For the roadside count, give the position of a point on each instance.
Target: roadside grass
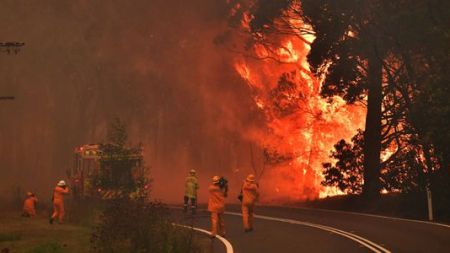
(10, 237)
(51, 247)
(36, 235)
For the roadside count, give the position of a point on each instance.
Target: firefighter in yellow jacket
(250, 194)
(216, 205)
(190, 192)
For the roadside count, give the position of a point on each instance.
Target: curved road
(286, 230)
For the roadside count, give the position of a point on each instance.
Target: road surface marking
(366, 243)
(372, 215)
(227, 244)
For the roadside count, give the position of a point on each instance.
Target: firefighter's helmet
(62, 183)
(250, 178)
(215, 179)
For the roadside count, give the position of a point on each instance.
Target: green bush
(139, 226)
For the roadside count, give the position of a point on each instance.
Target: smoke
(151, 63)
(190, 102)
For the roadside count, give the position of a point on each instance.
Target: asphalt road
(286, 230)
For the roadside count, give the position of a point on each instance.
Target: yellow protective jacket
(250, 193)
(191, 187)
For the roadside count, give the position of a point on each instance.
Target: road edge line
(228, 246)
(363, 241)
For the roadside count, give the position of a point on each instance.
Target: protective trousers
(193, 204)
(58, 210)
(247, 216)
(29, 212)
(217, 224)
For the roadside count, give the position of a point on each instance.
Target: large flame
(301, 126)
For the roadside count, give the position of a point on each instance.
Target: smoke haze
(151, 63)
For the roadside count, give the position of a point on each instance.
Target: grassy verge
(123, 227)
(35, 235)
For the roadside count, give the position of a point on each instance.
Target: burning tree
(300, 126)
(366, 52)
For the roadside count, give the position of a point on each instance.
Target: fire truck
(87, 166)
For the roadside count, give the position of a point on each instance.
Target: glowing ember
(301, 126)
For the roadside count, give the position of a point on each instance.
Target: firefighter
(190, 192)
(216, 205)
(29, 205)
(60, 190)
(250, 194)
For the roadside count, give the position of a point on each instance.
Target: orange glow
(330, 191)
(287, 53)
(243, 71)
(301, 126)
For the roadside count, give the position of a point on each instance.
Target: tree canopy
(391, 56)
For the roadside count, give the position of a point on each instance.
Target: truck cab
(90, 161)
(86, 164)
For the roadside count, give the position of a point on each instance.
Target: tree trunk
(372, 134)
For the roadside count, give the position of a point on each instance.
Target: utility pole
(430, 204)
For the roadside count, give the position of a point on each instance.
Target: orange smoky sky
(151, 63)
(155, 65)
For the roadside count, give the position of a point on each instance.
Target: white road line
(371, 215)
(227, 244)
(365, 242)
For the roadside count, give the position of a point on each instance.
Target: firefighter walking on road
(60, 190)
(216, 205)
(250, 194)
(29, 205)
(190, 192)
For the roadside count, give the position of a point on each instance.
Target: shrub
(139, 226)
